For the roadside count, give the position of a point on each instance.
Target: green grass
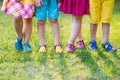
(81, 65)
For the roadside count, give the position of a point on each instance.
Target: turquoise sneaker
(18, 44)
(26, 47)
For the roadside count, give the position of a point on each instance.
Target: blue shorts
(49, 9)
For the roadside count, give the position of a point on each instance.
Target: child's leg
(18, 25)
(106, 16)
(106, 45)
(56, 31)
(79, 37)
(93, 31)
(105, 31)
(95, 17)
(76, 28)
(41, 31)
(27, 29)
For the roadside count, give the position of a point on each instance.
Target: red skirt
(75, 7)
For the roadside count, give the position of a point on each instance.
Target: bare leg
(18, 25)
(79, 37)
(56, 31)
(105, 31)
(93, 31)
(27, 29)
(76, 28)
(41, 31)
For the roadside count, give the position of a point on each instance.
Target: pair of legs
(22, 32)
(101, 10)
(75, 33)
(56, 33)
(105, 31)
(76, 29)
(55, 29)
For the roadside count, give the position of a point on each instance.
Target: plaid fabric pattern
(18, 9)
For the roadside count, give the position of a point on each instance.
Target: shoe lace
(43, 47)
(27, 44)
(108, 45)
(93, 44)
(58, 48)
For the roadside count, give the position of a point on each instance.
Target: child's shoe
(93, 45)
(58, 49)
(108, 47)
(43, 49)
(70, 48)
(80, 44)
(18, 44)
(26, 47)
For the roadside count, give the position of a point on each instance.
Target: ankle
(105, 41)
(42, 44)
(92, 40)
(18, 38)
(57, 44)
(80, 39)
(26, 43)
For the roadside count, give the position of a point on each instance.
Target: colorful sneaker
(43, 49)
(18, 44)
(93, 45)
(26, 47)
(70, 48)
(108, 47)
(80, 44)
(58, 49)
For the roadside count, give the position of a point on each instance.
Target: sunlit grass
(81, 65)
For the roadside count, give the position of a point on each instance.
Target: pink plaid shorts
(18, 9)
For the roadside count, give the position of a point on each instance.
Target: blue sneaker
(18, 44)
(93, 45)
(26, 47)
(108, 47)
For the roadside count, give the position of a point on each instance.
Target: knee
(41, 22)
(53, 21)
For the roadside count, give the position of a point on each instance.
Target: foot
(18, 44)
(26, 47)
(58, 49)
(80, 44)
(70, 48)
(108, 47)
(43, 49)
(93, 45)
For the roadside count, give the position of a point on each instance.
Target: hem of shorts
(100, 22)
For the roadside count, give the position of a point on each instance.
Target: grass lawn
(81, 65)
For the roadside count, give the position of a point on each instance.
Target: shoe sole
(111, 50)
(70, 51)
(27, 51)
(42, 52)
(18, 49)
(93, 49)
(59, 52)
